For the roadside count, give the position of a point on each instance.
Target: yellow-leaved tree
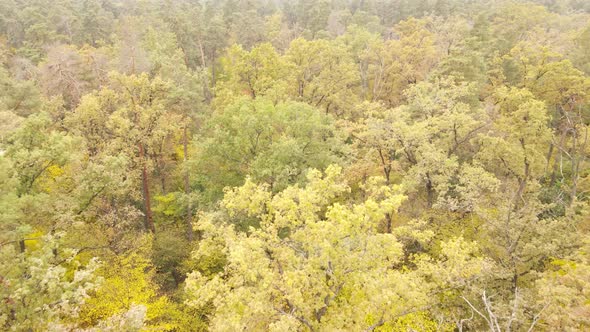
(316, 263)
(128, 285)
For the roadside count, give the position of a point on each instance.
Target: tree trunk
(577, 159)
(213, 70)
(149, 221)
(189, 212)
(386, 167)
(203, 64)
(560, 147)
(364, 79)
(388, 223)
(429, 193)
(206, 89)
(549, 155)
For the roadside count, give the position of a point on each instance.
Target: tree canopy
(305, 165)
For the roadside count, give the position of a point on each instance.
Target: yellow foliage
(33, 243)
(49, 177)
(127, 282)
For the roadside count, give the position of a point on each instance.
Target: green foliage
(316, 264)
(294, 165)
(272, 143)
(563, 290)
(34, 149)
(18, 97)
(43, 288)
(256, 73)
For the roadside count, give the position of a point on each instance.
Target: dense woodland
(309, 165)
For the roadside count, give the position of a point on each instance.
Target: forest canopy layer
(306, 165)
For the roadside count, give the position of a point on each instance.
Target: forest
(294, 165)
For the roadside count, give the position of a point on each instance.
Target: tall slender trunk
(202, 52)
(429, 192)
(549, 155)
(522, 182)
(578, 157)
(388, 223)
(364, 79)
(189, 208)
(213, 69)
(206, 87)
(149, 220)
(386, 167)
(560, 147)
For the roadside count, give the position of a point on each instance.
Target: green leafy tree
(38, 292)
(323, 75)
(275, 144)
(260, 72)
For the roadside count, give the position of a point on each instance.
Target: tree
(323, 75)
(272, 143)
(127, 283)
(522, 234)
(258, 73)
(294, 165)
(132, 121)
(432, 141)
(20, 97)
(65, 73)
(562, 291)
(315, 264)
(132, 58)
(403, 61)
(51, 293)
(35, 151)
